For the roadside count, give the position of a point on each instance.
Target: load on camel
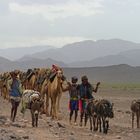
(31, 99)
(54, 90)
(42, 75)
(29, 78)
(34, 78)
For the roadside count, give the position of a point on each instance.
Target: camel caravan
(38, 87)
(40, 90)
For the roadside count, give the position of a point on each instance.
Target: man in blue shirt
(85, 92)
(15, 92)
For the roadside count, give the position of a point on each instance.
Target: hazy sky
(57, 22)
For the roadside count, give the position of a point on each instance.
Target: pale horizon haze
(25, 23)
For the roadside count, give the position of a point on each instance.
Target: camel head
(59, 73)
(61, 76)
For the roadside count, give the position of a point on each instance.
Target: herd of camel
(37, 79)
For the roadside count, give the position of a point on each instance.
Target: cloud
(60, 10)
(129, 3)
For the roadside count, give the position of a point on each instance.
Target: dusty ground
(120, 126)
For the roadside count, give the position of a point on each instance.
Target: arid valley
(120, 125)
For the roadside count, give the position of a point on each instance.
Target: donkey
(91, 114)
(31, 99)
(135, 108)
(35, 109)
(104, 111)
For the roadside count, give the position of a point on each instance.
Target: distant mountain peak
(80, 42)
(18, 52)
(2, 59)
(115, 40)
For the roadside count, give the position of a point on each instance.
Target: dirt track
(120, 126)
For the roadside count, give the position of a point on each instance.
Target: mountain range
(18, 52)
(87, 50)
(80, 54)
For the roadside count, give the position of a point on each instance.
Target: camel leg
(51, 111)
(55, 109)
(54, 116)
(4, 93)
(6, 96)
(58, 102)
(52, 108)
(47, 105)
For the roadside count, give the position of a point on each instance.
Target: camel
(135, 108)
(41, 82)
(4, 85)
(54, 92)
(5, 92)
